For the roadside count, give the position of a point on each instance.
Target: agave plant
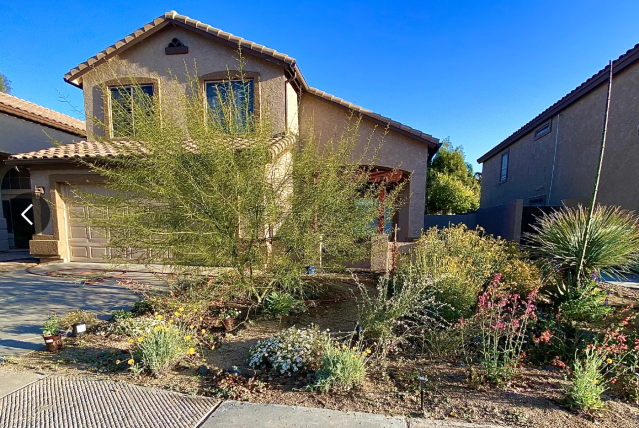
(612, 245)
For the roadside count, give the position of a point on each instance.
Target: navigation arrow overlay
(25, 217)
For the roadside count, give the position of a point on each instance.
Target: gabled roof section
(601, 77)
(41, 115)
(74, 76)
(98, 149)
(377, 118)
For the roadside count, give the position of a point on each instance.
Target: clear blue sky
(473, 71)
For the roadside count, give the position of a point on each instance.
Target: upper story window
(503, 175)
(231, 103)
(543, 129)
(127, 103)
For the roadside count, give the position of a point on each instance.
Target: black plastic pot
(78, 329)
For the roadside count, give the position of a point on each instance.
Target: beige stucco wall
(20, 135)
(147, 59)
(326, 120)
(578, 142)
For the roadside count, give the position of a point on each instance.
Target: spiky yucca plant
(612, 246)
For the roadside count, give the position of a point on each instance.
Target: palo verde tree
(202, 181)
(452, 186)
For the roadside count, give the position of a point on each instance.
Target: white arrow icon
(25, 217)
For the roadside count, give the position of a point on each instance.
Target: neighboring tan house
(168, 43)
(25, 126)
(552, 160)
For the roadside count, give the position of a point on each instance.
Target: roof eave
(432, 142)
(595, 81)
(42, 121)
(12, 162)
(75, 78)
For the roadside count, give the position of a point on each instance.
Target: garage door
(84, 243)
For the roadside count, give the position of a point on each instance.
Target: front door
(23, 228)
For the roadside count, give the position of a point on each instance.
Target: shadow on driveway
(26, 300)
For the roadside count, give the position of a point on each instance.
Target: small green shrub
(584, 302)
(280, 304)
(78, 316)
(142, 307)
(342, 367)
(291, 351)
(588, 382)
(120, 314)
(51, 326)
(402, 311)
(162, 347)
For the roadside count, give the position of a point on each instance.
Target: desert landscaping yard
(363, 351)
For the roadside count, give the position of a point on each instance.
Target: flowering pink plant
(502, 320)
(622, 354)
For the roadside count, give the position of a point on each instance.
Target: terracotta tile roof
(396, 126)
(94, 149)
(601, 77)
(42, 115)
(74, 76)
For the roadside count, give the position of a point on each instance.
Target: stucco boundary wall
(504, 221)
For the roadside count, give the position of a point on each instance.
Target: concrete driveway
(27, 299)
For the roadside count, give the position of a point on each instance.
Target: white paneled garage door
(84, 243)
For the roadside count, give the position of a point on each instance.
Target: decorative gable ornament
(176, 47)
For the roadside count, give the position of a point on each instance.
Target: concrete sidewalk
(33, 400)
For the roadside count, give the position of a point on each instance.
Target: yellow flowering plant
(163, 346)
(342, 368)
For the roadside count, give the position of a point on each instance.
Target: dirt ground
(533, 400)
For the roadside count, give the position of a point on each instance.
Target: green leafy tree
(5, 84)
(452, 186)
(199, 187)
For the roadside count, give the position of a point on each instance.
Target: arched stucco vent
(176, 47)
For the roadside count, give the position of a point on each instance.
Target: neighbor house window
(231, 103)
(504, 168)
(127, 103)
(543, 130)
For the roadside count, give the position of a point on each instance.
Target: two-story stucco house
(552, 160)
(25, 126)
(168, 43)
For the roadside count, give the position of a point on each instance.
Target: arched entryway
(386, 179)
(17, 200)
